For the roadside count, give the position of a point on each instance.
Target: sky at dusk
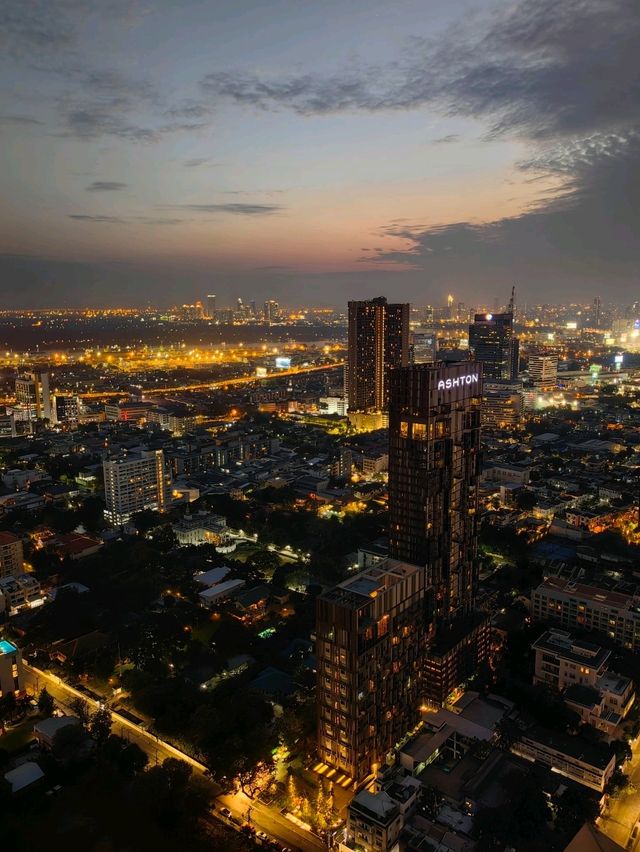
(317, 150)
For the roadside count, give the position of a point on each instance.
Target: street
(156, 749)
(623, 811)
(271, 821)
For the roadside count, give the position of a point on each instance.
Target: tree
(507, 733)
(100, 726)
(7, 707)
(575, 807)
(46, 704)
(617, 783)
(69, 743)
(80, 708)
(432, 800)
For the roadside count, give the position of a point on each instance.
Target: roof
(23, 776)
(379, 806)
(8, 538)
(221, 589)
(253, 596)
(589, 593)
(48, 728)
(561, 643)
(589, 839)
(212, 576)
(583, 696)
(273, 682)
(7, 647)
(594, 754)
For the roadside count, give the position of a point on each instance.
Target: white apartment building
(19, 592)
(135, 482)
(543, 370)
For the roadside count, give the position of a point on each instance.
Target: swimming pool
(7, 647)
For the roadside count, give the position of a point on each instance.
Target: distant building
(583, 607)
(33, 395)
(503, 405)
(211, 306)
(65, 409)
(543, 370)
(423, 348)
(378, 341)
(133, 483)
(11, 554)
(491, 341)
(375, 820)
(11, 671)
(128, 411)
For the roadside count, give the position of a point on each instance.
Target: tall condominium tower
(378, 341)
(434, 464)
(211, 306)
(491, 341)
(543, 370)
(32, 392)
(405, 631)
(135, 482)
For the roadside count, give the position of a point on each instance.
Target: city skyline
(295, 152)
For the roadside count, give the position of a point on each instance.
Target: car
(262, 836)
(225, 812)
(237, 821)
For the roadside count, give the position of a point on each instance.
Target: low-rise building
(586, 763)
(11, 671)
(375, 820)
(19, 592)
(45, 730)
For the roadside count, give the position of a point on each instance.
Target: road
(262, 817)
(156, 749)
(623, 811)
(222, 383)
(272, 822)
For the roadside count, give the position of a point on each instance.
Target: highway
(216, 385)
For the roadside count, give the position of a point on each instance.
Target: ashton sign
(458, 381)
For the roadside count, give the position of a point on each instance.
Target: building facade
(133, 483)
(371, 638)
(11, 671)
(11, 554)
(543, 370)
(33, 395)
(378, 340)
(491, 341)
(579, 606)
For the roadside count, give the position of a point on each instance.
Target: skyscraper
(135, 482)
(491, 341)
(211, 306)
(434, 464)
(404, 631)
(543, 370)
(378, 341)
(32, 392)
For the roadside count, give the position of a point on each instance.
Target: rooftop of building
(590, 593)
(369, 582)
(562, 644)
(8, 538)
(7, 647)
(594, 754)
(379, 807)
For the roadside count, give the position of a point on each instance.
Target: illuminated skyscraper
(135, 482)
(211, 306)
(378, 341)
(405, 631)
(491, 341)
(32, 393)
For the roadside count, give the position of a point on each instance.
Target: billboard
(283, 363)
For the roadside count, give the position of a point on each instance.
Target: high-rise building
(423, 347)
(405, 631)
(371, 640)
(135, 482)
(378, 341)
(65, 409)
(32, 394)
(211, 306)
(434, 465)
(491, 341)
(503, 405)
(597, 311)
(543, 370)
(11, 555)
(271, 311)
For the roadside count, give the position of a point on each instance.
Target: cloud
(538, 68)
(195, 162)
(124, 220)
(446, 140)
(235, 209)
(106, 186)
(19, 119)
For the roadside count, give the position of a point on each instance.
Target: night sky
(318, 150)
